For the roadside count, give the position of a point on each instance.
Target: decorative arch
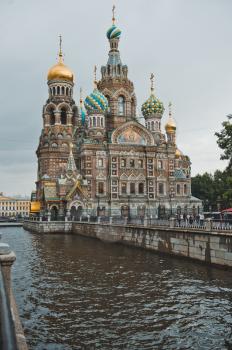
(122, 92)
(65, 106)
(124, 177)
(49, 107)
(132, 133)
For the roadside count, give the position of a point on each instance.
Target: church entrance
(76, 212)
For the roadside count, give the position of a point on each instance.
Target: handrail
(7, 328)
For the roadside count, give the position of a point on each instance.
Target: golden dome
(178, 153)
(60, 71)
(171, 125)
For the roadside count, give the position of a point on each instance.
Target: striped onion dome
(113, 32)
(152, 106)
(96, 102)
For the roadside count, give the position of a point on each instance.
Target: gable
(132, 133)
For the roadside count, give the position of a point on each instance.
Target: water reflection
(75, 292)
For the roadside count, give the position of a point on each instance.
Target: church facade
(98, 159)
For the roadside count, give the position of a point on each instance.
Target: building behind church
(98, 159)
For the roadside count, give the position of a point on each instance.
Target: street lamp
(98, 208)
(128, 207)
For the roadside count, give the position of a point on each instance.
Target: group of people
(190, 219)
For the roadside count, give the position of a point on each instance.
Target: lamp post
(170, 202)
(98, 201)
(128, 208)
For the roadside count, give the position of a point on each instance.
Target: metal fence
(7, 328)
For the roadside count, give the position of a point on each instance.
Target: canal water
(79, 293)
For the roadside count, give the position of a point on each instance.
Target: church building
(98, 159)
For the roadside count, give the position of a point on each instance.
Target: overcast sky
(186, 43)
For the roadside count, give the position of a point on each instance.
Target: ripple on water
(74, 293)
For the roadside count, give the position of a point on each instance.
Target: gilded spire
(152, 78)
(113, 14)
(81, 99)
(60, 50)
(95, 77)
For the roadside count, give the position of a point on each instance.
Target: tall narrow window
(160, 164)
(52, 117)
(123, 187)
(100, 187)
(132, 188)
(185, 189)
(161, 188)
(94, 121)
(58, 90)
(100, 162)
(121, 105)
(132, 163)
(63, 117)
(62, 90)
(178, 189)
(141, 188)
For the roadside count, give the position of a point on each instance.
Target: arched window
(52, 117)
(98, 121)
(121, 105)
(141, 188)
(90, 122)
(157, 125)
(94, 121)
(63, 116)
(58, 90)
(67, 91)
(178, 189)
(62, 90)
(102, 122)
(53, 91)
(152, 126)
(108, 99)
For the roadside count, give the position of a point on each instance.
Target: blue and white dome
(96, 102)
(113, 32)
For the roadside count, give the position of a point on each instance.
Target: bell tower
(60, 120)
(115, 85)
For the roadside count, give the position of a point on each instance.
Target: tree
(225, 140)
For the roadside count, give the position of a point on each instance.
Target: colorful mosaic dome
(113, 32)
(96, 102)
(152, 106)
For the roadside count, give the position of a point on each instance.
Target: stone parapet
(209, 247)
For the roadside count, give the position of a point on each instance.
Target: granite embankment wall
(210, 247)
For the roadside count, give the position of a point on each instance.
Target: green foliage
(214, 190)
(225, 140)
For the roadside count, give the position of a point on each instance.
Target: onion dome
(178, 153)
(152, 105)
(113, 32)
(170, 126)
(60, 71)
(96, 102)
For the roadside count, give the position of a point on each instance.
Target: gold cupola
(60, 71)
(170, 126)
